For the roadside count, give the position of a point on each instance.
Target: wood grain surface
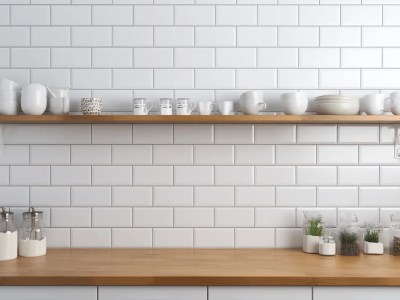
(268, 267)
(196, 119)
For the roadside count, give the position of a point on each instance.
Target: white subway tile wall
(198, 185)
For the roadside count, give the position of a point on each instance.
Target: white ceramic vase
(34, 99)
(373, 248)
(310, 244)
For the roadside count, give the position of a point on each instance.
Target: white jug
(34, 99)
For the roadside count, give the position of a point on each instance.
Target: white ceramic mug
(59, 105)
(184, 106)
(294, 103)
(251, 102)
(10, 102)
(141, 106)
(226, 107)
(206, 107)
(34, 99)
(395, 103)
(166, 106)
(373, 104)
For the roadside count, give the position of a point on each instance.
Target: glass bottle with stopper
(32, 234)
(8, 235)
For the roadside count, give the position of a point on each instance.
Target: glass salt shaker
(8, 236)
(32, 234)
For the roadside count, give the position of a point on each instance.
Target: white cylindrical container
(32, 234)
(8, 236)
(166, 106)
(313, 229)
(327, 245)
(34, 99)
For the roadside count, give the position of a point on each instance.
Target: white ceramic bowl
(294, 103)
(337, 108)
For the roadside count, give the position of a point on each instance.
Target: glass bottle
(394, 234)
(349, 235)
(313, 229)
(32, 234)
(8, 236)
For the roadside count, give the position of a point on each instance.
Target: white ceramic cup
(10, 102)
(141, 106)
(34, 99)
(373, 104)
(395, 103)
(206, 107)
(251, 102)
(61, 93)
(294, 103)
(91, 106)
(184, 106)
(226, 107)
(59, 105)
(166, 106)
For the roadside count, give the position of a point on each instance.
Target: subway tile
(339, 79)
(30, 58)
(132, 36)
(254, 155)
(361, 58)
(297, 79)
(91, 78)
(173, 196)
(112, 15)
(14, 36)
(254, 238)
(49, 196)
(337, 196)
(153, 134)
(295, 196)
(369, 215)
(30, 15)
(153, 15)
(91, 36)
(236, 57)
(14, 196)
(90, 155)
(319, 57)
(278, 15)
(153, 217)
(131, 154)
(275, 134)
(71, 217)
(379, 78)
(196, 175)
(328, 215)
(316, 134)
(215, 36)
(112, 58)
(5, 15)
(174, 36)
(274, 175)
(377, 155)
(71, 57)
(298, 36)
(173, 238)
(391, 58)
(15, 155)
(20, 75)
(194, 15)
(153, 57)
(234, 175)
(214, 79)
(90, 196)
(5, 58)
(112, 217)
(74, 15)
(337, 155)
(358, 175)
(353, 134)
(91, 237)
(193, 134)
(234, 134)
(194, 217)
(316, 176)
(32, 175)
(379, 196)
(111, 134)
(277, 57)
(295, 155)
(390, 13)
(362, 15)
(340, 36)
(255, 196)
(172, 155)
(58, 237)
(386, 215)
(236, 15)
(52, 77)
(115, 100)
(234, 217)
(319, 15)
(132, 196)
(214, 196)
(288, 238)
(213, 154)
(112, 175)
(256, 79)
(132, 238)
(4, 175)
(194, 57)
(173, 79)
(50, 36)
(153, 175)
(214, 238)
(252, 36)
(71, 175)
(275, 217)
(381, 36)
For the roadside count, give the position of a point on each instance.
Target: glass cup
(141, 106)
(184, 106)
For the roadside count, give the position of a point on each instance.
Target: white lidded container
(327, 245)
(34, 99)
(313, 229)
(32, 234)
(8, 236)
(373, 240)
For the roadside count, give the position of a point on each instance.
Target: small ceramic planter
(373, 248)
(310, 244)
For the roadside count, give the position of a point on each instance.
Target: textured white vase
(310, 244)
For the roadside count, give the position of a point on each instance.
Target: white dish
(337, 108)
(336, 97)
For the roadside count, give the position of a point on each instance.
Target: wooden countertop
(284, 267)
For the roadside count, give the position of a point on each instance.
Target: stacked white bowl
(10, 97)
(337, 105)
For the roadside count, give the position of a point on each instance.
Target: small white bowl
(337, 108)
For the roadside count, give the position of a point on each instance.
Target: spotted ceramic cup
(91, 106)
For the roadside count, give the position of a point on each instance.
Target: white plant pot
(310, 244)
(327, 248)
(373, 248)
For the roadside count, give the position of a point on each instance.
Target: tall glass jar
(313, 229)
(394, 234)
(349, 235)
(32, 234)
(8, 236)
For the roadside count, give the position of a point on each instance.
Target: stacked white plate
(337, 105)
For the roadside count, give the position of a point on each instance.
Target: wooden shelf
(196, 119)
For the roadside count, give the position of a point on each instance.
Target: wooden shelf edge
(196, 119)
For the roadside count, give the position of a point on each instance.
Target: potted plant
(372, 241)
(313, 230)
(348, 243)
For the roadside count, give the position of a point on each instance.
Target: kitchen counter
(269, 267)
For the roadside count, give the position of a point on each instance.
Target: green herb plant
(372, 236)
(315, 227)
(348, 237)
(348, 244)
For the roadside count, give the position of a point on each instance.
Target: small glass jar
(8, 236)
(327, 244)
(313, 229)
(373, 240)
(349, 235)
(32, 234)
(394, 234)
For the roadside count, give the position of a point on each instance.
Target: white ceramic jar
(34, 99)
